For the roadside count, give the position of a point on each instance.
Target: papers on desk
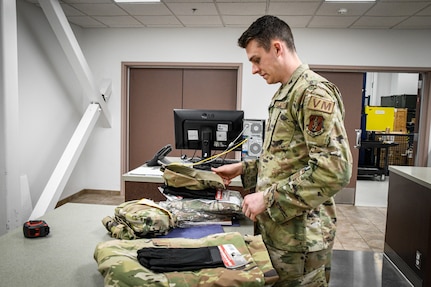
(146, 170)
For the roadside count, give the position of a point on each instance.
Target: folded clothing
(177, 175)
(118, 263)
(139, 219)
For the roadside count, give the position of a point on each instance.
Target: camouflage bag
(139, 219)
(118, 263)
(177, 175)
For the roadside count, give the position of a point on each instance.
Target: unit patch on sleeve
(321, 105)
(315, 125)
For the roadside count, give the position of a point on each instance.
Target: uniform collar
(284, 88)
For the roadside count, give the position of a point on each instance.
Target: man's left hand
(253, 205)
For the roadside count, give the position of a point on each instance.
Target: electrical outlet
(418, 259)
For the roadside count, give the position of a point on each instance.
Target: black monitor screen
(207, 130)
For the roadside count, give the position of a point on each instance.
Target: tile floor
(360, 227)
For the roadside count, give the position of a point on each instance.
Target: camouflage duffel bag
(139, 219)
(177, 175)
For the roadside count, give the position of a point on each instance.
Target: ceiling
(381, 14)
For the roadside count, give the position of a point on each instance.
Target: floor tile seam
(364, 239)
(369, 225)
(375, 227)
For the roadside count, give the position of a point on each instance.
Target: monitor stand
(206, 143)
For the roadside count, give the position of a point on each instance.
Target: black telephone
(160, 155)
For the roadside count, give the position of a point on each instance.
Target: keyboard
(216, 163)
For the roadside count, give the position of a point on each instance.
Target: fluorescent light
(350, 1)
(137, 1)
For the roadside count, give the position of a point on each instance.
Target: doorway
(421, 133)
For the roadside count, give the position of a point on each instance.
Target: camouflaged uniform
(305, 161)
(178, 175)
(117, 262)
(138, 219)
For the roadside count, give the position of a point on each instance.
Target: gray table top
(63, 258)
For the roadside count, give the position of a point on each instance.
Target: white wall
(405, 83)
(48, 87)
(49, 96)
(386, 84)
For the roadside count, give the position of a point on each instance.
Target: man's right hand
(228, 171)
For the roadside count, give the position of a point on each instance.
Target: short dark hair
(265, 29)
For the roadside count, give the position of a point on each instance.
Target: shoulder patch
(321, 105)
(315, 124)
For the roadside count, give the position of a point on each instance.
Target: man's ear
(278, 47)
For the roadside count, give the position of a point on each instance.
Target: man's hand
(253, 205)
(228, 171)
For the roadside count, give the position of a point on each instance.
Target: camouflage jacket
(117, 262)
(305, 161)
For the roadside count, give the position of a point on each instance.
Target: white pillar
(10, 195)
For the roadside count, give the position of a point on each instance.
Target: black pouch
(209, 193)
(180, 259)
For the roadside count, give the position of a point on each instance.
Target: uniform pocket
(280, 130)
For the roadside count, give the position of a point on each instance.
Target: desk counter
(408, 222)
(419, 175)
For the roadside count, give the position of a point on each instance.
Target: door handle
(358, 138)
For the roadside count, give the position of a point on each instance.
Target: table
(144, 181)
(64, 257)
(375, 168)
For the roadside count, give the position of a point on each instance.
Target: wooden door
(155, 92)
(350, 84)
(212, 89)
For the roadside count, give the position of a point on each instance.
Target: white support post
(61, 27)
(67, 162)
(10, 157)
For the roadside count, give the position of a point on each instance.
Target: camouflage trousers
(310, 269)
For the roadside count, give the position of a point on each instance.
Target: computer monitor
(207, 130)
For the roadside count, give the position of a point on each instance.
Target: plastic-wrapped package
(221, 210)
